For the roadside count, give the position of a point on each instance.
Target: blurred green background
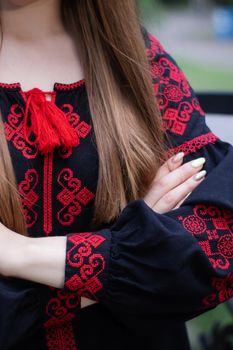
(190, 31)
(196, 35)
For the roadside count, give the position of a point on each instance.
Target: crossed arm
(42, 260)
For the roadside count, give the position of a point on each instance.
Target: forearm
(42, 261)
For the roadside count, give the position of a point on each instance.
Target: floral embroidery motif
(71, 197)
(194, 224)
(194, 145)
(84, 265)
(173, 93)
(81, 127)
(13, 129)
(156, 70)
(29, 197)
(213, 227)
(225, 246)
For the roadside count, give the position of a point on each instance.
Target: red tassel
(48, 123)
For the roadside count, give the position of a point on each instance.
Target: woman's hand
(173, 183)
(170, 187)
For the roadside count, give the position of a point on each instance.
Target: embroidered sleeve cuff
(87, 256)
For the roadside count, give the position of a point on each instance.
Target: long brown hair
(125, 117)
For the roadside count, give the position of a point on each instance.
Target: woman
(124, 261)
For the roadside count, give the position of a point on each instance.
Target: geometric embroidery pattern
(72, 196)
(13, 129)
(61, 338)
(213, 228)
(173, 94)
(223, 291)
(29, 197)
(84, 264)
(80, 126)
(61, 308)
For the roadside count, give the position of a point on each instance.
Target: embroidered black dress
(149, 272)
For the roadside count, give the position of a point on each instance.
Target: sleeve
(174, 266)
(20, 316)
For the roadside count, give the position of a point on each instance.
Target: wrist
(42, 260)
(15, 256)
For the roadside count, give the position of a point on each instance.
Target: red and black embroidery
(61, 308)
(82, 128)
(195, 144)
(13, 86)
(155, 49)
(72, 196)
(47, 193)
(13, 129)
(27, 189)
(176, 119)
(173, 92)
(213, 228)
(84, 264)
(197, 107)
(68, 87)
(61, 338)
(223, 288)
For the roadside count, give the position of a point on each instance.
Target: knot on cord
(48, 123)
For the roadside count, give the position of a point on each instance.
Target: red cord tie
(48, 123)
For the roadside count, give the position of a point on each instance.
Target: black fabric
(20, 312)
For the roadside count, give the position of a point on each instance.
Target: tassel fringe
(49, 123)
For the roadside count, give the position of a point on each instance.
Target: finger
(182, 201)
(171, 164)
(165, 184)
(179, 193)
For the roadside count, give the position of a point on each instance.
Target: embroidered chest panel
(57, 188)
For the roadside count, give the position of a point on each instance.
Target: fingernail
(197, 163)
(178, 157)
(199, 176)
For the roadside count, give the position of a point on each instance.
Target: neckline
(57, 86)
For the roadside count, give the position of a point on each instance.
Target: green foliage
(203, 77)
(224, 2)
(150, 10)
(204, 323)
